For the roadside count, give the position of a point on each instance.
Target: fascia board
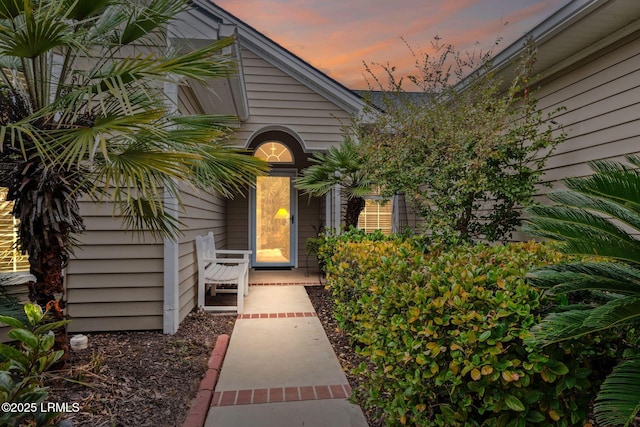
(547, 29)
(289, 63)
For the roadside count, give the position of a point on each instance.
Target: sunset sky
(336, 36)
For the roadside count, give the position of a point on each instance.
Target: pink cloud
(336, 36)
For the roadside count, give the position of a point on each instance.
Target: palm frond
(35, 31)
(10, 9)
(582, 232)
(199, 64)
(342, 165)
(226, 170)
(560, 326)
(83, 10)
(96, 114)
(618, 400)
(612, 180)
(149, 217)
(602, 203)
(145, 20)
(573, 324)
(587, 276)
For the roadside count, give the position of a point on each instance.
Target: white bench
(221, 267)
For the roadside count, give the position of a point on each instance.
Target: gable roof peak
(291, 64)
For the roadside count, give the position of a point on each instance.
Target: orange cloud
(337, 36)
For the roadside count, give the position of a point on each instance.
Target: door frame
(293, 256)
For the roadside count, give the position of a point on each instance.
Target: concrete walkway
(280, 369)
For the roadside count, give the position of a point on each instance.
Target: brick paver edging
(277, 315)
(280, 394)
(315, 283)
(199, 408)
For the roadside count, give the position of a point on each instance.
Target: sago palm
(83, 113)
(343, 166)
(597, 215)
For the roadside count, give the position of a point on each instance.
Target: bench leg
(211, 288)
(240, 295)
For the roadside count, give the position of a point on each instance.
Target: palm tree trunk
(48, 211)
(355, 205)
(48, 290)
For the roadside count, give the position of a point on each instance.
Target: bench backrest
(205, 249)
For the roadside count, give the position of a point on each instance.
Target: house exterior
(588, 62)
(287, 111)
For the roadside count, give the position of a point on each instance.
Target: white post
(171, 305)
(327, 210)
(337, 208)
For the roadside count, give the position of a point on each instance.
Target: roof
(573, 34)
(278, 56)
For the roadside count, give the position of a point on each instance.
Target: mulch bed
(138, 378)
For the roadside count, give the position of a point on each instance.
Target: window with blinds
(376, 215)
(10, 258)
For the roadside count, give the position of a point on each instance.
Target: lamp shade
(282, 214)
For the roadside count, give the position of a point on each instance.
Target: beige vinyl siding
(602, 117)
(237, 214)
(601, 99)
(202, 213)
(309, 222)
(277, 99)
(114, 279)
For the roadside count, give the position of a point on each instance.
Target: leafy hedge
(443, 333)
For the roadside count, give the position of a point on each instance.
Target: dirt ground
(138, 378)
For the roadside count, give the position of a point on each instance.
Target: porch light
(282, 214)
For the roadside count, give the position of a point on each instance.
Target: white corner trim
(171, 295)
(337, 208)
(171, 305)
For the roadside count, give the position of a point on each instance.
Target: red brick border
(280, 394)
(276, 315)
(199, 408)
(314, 283)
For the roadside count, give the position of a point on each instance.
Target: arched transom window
(274, 152)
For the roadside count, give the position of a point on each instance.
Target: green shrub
(21, 368)
(444, 332)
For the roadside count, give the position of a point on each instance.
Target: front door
(273, 221)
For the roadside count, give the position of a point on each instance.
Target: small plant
(344, 166)
(21, 368)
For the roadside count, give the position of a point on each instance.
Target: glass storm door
(273, 221)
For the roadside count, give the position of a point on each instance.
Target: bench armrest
(232, 252)
(226, 260)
